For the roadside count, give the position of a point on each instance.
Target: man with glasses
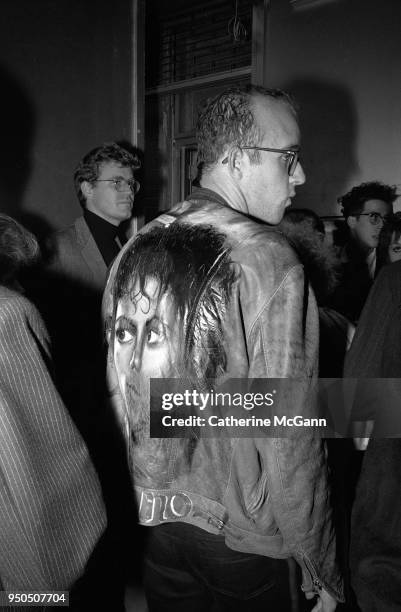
(365, 209)
(79, 258)
(249, 504)
(71, 302)
(105, 186)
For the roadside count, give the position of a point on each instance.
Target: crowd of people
(230, 284)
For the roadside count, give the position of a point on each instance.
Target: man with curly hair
(210, 291)
(105, 186)
(365, 209)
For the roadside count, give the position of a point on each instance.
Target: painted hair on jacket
(192, 265)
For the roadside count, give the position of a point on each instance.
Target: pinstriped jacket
(51, 509)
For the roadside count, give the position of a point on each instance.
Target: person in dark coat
(375, 360)
(366, 208)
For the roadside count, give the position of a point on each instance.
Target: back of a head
(19, 249)
(305, 231)
(391, 230)
(228, 120)
(306, 217)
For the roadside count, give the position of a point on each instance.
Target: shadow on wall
(329, 129)
(18, 124)
(17, 128)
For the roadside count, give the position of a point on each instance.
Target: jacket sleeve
(373, 365)
(364, 359)
(283, 343)
(51, 509)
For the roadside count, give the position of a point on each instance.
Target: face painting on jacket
(170, 296)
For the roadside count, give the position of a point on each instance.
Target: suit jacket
(69, 300)
(376, 348)
(51, 509)
(77, 258)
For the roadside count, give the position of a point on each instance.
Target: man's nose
(298, 178)
(129, 190)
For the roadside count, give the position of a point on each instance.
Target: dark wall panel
(65, 75)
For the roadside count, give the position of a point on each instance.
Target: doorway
(194, 50)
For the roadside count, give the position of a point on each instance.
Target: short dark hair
(305, 232)
(192, 264)
(88, 168)
(392, 226)
(228, 119)
(305, 216)
(352, 203)
(19, 249)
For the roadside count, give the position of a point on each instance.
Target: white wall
(342, 62)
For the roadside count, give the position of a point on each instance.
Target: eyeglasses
(292, 157)
(375, 217)
(122, 184)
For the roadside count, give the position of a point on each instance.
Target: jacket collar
(201, 193)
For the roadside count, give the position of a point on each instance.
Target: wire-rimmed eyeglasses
(121, 184)
(375, 217)
(292, 156)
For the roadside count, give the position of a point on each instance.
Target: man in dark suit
(80, 255)
(366, 208)
(70, 301)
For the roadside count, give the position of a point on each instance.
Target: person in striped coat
(52, 514)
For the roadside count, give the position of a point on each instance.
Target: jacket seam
(263, 308)
(230, 470)
(269, 299)
(308, 562)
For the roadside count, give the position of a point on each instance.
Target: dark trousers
(375, 555)
(188, 569)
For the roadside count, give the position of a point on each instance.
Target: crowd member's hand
(361, 444)
(325, 602)
(362, 431)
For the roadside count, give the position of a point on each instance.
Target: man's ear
(236, 161)
(351, 221)
(87, 189)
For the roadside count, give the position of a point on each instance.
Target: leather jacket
(267, 496)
